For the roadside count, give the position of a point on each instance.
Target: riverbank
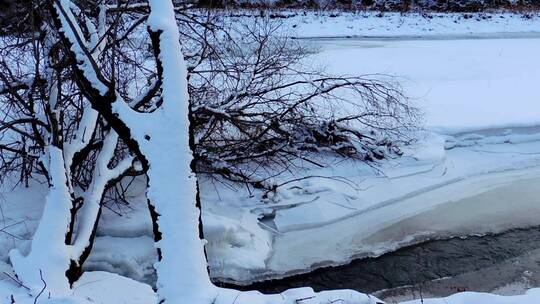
(368, 24)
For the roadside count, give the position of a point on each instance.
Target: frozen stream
(462, 82)
(466, 85)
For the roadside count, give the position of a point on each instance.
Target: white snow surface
(93, 287)
(461, 85)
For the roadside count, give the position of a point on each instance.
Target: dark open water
(414, 265)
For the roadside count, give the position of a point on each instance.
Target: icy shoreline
(400, 221)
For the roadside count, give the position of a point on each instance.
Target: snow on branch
(73, 33)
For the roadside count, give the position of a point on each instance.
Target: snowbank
(366, 212)
(531, 297)
(310, 24)
(107, 288)
(93, 287)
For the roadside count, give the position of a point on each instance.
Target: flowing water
(505, 263)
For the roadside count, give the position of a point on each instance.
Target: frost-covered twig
(42, 289)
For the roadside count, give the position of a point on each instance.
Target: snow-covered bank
(93, 287)
(109, 288)
(309, 24)
(531, 297)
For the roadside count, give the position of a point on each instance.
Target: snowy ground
(461, 84)
(481, 153)
(531, 297)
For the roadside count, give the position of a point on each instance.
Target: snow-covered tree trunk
(161, 142)
(172, 184)
(58, 248)
(89, 214)
(49, 258)
(163, 139)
